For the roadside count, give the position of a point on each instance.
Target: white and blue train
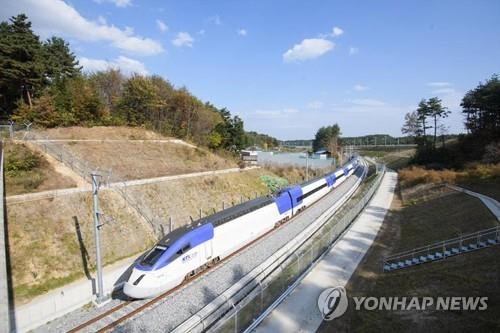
(188, 250)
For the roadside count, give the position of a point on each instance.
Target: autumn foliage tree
(42, 83)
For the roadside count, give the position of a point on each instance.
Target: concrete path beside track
(490, 203)
(299, 311)
(70, 297)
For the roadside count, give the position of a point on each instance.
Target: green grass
(432, 215)
(27, 171)
(25, 291)
(490, 187)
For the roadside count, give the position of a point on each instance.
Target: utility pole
(307, 166)
(97, 226)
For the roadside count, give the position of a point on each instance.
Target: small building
(322, 154)
(249, 156)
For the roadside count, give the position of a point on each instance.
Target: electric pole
(97, 226)
(307, 166)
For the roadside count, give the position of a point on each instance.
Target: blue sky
(289, 67)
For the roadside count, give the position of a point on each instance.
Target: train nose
(135, 291)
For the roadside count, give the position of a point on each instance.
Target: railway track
(115, 316)
(128, 309)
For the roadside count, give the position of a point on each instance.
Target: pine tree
(21, 62)
(60, 62)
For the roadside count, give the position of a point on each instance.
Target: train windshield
(152, 257)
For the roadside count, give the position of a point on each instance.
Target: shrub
(19, 160)
(418, 175)
(492, 153)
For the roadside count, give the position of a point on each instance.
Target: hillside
(29, 171)
(60, 229)
(423, 215)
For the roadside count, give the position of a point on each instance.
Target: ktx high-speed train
(187, 250)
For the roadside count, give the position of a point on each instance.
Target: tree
(481, 106)
(60, 62)
(182, 110)
(109, 86)
(327, 138)
(21, 62)
(140, 101)
(436, 111)
(423, 113)
(412, 125)
(231, 130)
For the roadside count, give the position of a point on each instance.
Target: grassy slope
(38, 178)
(182, 198)
(394, 159)
(44, 245)
(100, 133)
(46, 227)
(136, 160)
(426, 216)
(489, 187)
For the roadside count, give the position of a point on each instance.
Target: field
(28, 171)
(426, 214)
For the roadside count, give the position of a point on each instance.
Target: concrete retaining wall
(4, 286)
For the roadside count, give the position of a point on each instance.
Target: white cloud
(183, 39)
(290, 110)
(315, 105)
(242, 32)
(439, 84)
(55, 17)
(360, 87)
(308, 49)
(368, 102)
(336, 31)
(118, 3)
(162, 26)
(201, 32)
(126, 65)
(102, 20)
(353, 50)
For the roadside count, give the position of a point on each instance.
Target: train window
(152, 257)
(300, 198)
(184, 249)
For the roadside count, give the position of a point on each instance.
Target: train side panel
(231, 236)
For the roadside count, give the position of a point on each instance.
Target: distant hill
(370, 139)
